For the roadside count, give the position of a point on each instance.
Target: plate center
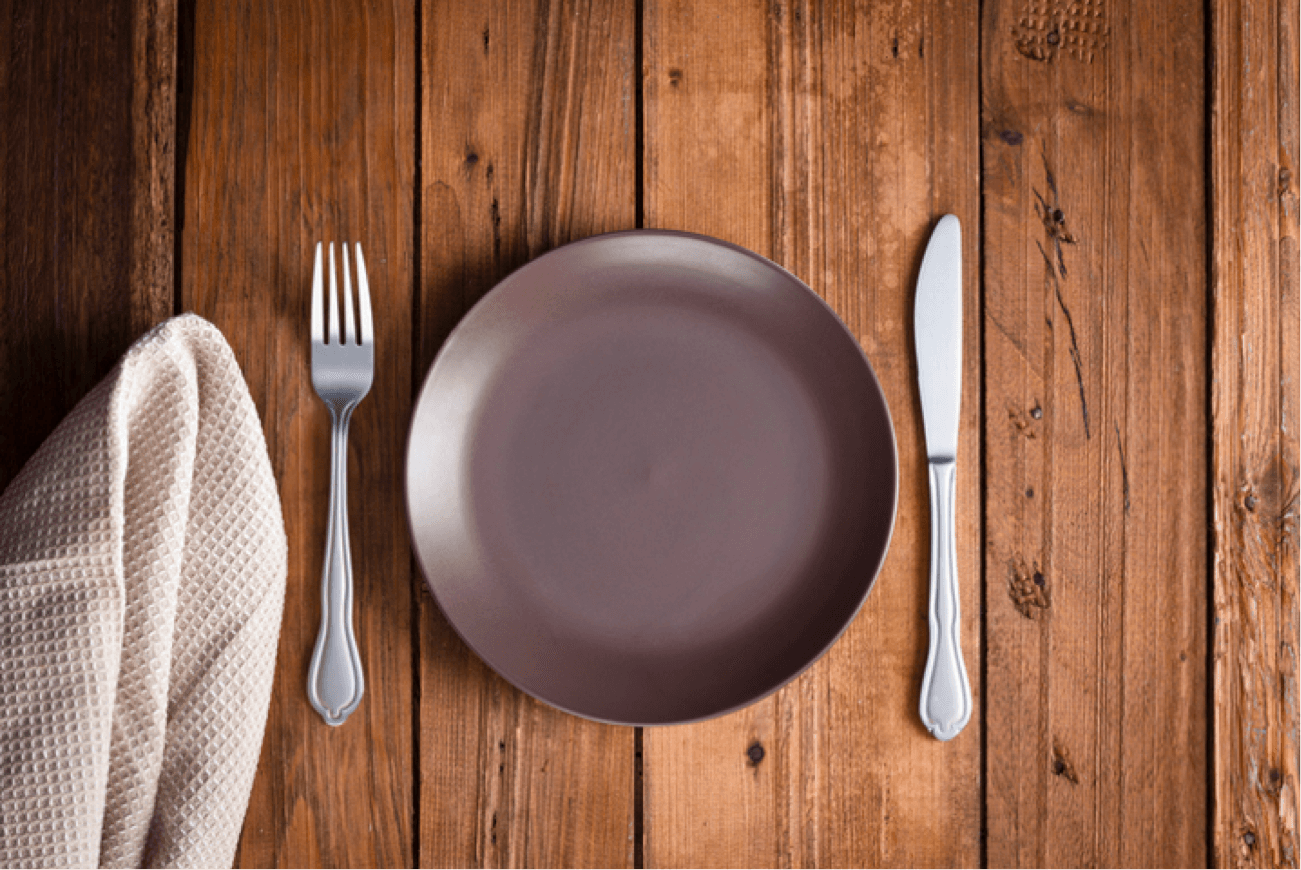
(645, 481)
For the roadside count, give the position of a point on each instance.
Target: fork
(343, 367)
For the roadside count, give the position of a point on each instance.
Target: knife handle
(946, 695)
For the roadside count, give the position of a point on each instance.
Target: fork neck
(340, 409)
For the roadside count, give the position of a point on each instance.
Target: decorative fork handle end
(334, 681)
(946, 695)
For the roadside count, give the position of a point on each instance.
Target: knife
(937, 321)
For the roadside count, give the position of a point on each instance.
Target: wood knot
(1048, 31)
(1249, 838)
(675, 77)
(1028, 590)
(1062, 765)
(471, 159)
(1023, 425)
(1012, 137)
(1054, 221)
(755, 753)
(1028, 49)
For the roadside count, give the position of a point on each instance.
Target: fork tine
(349, 328)
(318, 304)
(363, 301)
(332, 337)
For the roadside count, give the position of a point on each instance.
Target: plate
(651, 477)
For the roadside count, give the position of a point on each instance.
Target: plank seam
(185, 19)
(1209, 52)
(417, 318)
(983, 847)
(639, 221)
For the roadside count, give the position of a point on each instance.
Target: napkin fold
(142, 579)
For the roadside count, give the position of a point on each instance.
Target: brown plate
(651, 477)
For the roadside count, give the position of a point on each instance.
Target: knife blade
(945, 705)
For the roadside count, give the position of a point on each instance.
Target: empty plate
(650, 477)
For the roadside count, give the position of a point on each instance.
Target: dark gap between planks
(417, 208)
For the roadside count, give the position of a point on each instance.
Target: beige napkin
(142, 580)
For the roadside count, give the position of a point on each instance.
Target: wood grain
(529, 141)
(302, 129)
(830, 137)
(1096, 452)
(87, 94)
(1254, 369)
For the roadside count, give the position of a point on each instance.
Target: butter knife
(937, 321)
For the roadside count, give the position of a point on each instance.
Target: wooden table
(1126, 175)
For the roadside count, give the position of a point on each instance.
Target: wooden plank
(1254, 369)
(87, 93)
(529, 141)
(1095, 402)
(302, 129)
(830, 136)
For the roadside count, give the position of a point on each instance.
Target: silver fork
(343, 367)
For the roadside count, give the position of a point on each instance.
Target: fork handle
(946, 695)
(335, 682)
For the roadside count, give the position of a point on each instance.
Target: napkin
(142, 580)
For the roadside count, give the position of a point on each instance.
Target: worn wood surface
(1095, 400)
(301, 129)
(87, 97)
(529, 126)
(1254, 372)
(830, 137)
(1126, 175)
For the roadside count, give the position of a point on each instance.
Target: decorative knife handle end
(946, 695)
